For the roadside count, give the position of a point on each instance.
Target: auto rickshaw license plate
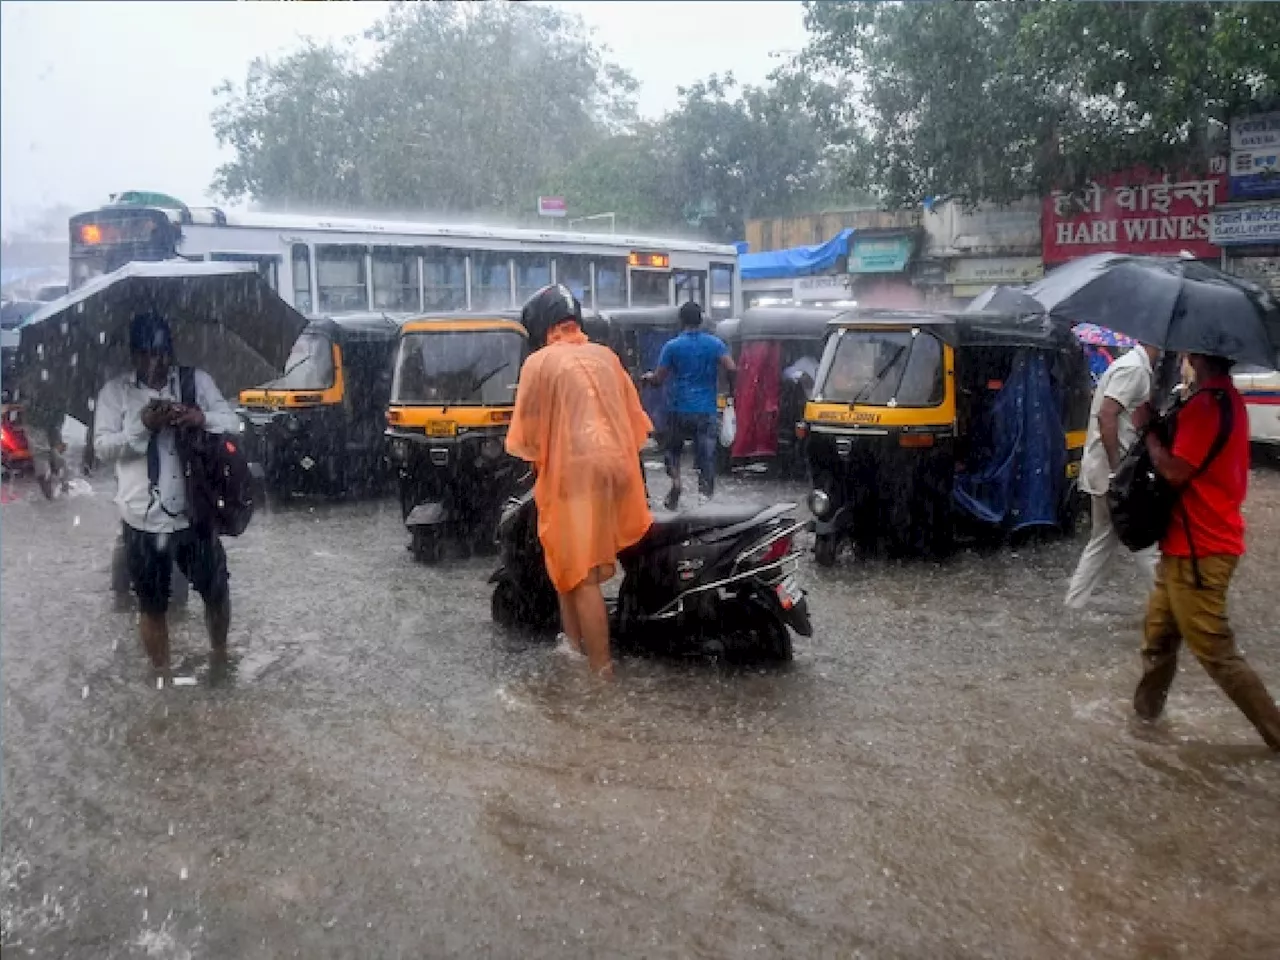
(442, 428)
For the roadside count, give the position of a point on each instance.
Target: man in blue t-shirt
(692, 362)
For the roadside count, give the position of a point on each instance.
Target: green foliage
(462, 107)
(992, 101)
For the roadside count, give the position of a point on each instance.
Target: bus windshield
(458, 367)
(309, 367)
(876, 367)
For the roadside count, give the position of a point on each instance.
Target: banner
(1135, 211)
(1255, 157)
(988, 270)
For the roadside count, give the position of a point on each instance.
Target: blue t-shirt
(694, 361)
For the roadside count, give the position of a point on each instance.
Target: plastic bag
(728, 426)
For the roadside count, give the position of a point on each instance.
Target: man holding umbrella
(1201, 548)
(137, 419)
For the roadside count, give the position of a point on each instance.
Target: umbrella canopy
(1098, 336)
(225, 319)
(1167, 302)
(1010, 300)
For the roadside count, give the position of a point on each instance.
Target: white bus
(332, 266)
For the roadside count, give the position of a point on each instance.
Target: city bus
(334, 266)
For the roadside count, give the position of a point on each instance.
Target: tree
(993, 101)
(462, 107)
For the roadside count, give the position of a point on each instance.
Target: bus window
(691, 285)
(268, 266)
(575, 273)
(533, 272)
(650, 289)
(395, 279)
(721, 291)
(490, 281)
(444, 280)
(301, 278)
(611, 283)
(340, 279)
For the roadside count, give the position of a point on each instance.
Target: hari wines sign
(1133, 212)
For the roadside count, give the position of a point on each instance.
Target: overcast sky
(98, 97)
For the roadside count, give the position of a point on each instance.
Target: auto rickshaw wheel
(426, 544)
(825, 548)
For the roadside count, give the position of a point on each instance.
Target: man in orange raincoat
(579, 421)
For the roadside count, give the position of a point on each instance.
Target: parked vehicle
(452, 396)
(16, 451)
(777, 350)
(922, 423)
(1261, 391)
(721, 575)
(319, 427)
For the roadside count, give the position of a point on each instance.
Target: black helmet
(553, 304)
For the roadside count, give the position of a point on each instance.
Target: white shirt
(119, 436)
(1128, 383)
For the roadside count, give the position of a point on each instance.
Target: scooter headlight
(292, 424)
(492, 448)
(819, 503)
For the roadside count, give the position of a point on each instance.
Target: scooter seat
(672, 527)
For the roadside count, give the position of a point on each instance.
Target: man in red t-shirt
(1199, 553)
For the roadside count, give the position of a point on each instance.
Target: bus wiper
(875, 380)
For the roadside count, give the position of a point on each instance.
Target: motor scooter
(718, 579)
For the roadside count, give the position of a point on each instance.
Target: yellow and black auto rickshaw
(452, 396)
(319, 427)
(921, 424)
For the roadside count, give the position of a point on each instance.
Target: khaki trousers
(1180, 611)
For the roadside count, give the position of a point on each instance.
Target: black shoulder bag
(219, 484)
(1141, 501)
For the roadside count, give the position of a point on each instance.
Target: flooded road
(948, 768)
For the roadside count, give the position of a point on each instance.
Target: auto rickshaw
(319, 427)
(922, 423)
(777, 350)
(452, 396)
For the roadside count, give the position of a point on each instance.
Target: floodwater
(948, 769)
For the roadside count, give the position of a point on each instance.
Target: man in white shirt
(1124, 387)
(137, 419)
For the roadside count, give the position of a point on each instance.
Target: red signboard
(552, 207)
(1135, 211)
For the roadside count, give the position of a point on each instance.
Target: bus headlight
(819, 503)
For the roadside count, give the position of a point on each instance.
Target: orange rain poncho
(578, 420)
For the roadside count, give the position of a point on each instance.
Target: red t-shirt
(1213, 499)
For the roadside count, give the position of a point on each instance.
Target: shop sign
(1246, 225)
(1135, 211)
(989, 270)
(880, 254)
(811, 289)
(1255, 157)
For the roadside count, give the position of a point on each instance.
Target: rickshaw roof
(358, 328)
(979, 329)
(784, 323)
(642, 316)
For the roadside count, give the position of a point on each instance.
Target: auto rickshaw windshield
(309, 367)
(458, 367)
(877, 367)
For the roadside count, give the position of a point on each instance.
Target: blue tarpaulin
(1018, 483)
(795, 261)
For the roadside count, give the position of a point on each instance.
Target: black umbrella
(1167, 302)
(226, 320)
(1003, 299)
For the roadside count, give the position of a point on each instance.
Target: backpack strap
(187, 385)
(1226, 424)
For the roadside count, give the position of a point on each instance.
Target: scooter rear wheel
(504, 605)
(825, 547)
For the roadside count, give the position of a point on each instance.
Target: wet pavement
(948, 768)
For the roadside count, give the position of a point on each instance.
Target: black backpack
(219, 484)
(1141, 501)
